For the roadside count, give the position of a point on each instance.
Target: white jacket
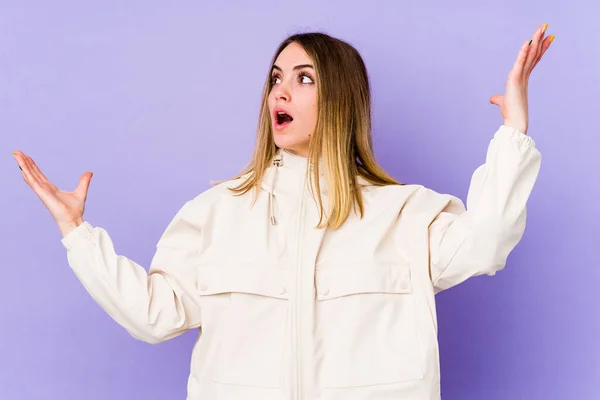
(288, 311)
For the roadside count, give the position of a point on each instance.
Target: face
(293, 100)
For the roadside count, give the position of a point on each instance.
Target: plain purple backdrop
(158, 98)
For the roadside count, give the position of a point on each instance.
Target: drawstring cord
(278, 162)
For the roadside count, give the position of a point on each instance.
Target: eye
(305, 78)
(275, 80)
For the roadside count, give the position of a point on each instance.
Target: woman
(312, 275)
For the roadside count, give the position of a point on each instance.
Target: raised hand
(513, 105)
(65, 207)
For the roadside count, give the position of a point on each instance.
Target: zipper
(278, 162)
(299, 277)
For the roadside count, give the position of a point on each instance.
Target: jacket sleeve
(152, 306)
(476, 240)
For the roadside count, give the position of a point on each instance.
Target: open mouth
(283, 118)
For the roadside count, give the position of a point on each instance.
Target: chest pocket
(366, 325)
(244, 321)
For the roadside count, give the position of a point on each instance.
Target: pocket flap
(334, 281)
(216, 279)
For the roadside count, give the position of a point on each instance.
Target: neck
(295, 153)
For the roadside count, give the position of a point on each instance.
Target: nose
(282, 92)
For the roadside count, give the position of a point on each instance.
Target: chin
(289, 142)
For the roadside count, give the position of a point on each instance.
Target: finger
(538, 53)
(535, 46)
(27, 165)
(84, 184)
(17, 159)
(541, 37)
(38, 171)
(545, 46)
(497, 99)
(34, 170)
(519, 64)
(26, 171)
(23, 161)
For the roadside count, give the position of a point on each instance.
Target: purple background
(158, 98)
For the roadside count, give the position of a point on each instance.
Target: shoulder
(414, 198)
(211, 201)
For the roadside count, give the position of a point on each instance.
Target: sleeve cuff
(78, 235)
(510, 133)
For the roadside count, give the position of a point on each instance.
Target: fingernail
(551, 38)
(530, 42)
(14, 153)
(20, 168)
(545, 26)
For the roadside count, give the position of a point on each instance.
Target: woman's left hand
(513, 105)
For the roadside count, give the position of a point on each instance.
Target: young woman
(312, 275)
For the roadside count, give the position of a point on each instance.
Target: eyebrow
(297, 67)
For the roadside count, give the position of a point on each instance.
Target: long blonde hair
(342, 136)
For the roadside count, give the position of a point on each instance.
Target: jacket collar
(298, 166)
(288, 161)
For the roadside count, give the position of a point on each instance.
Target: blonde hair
(342, 136)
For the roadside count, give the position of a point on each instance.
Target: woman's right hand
(65, 207)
